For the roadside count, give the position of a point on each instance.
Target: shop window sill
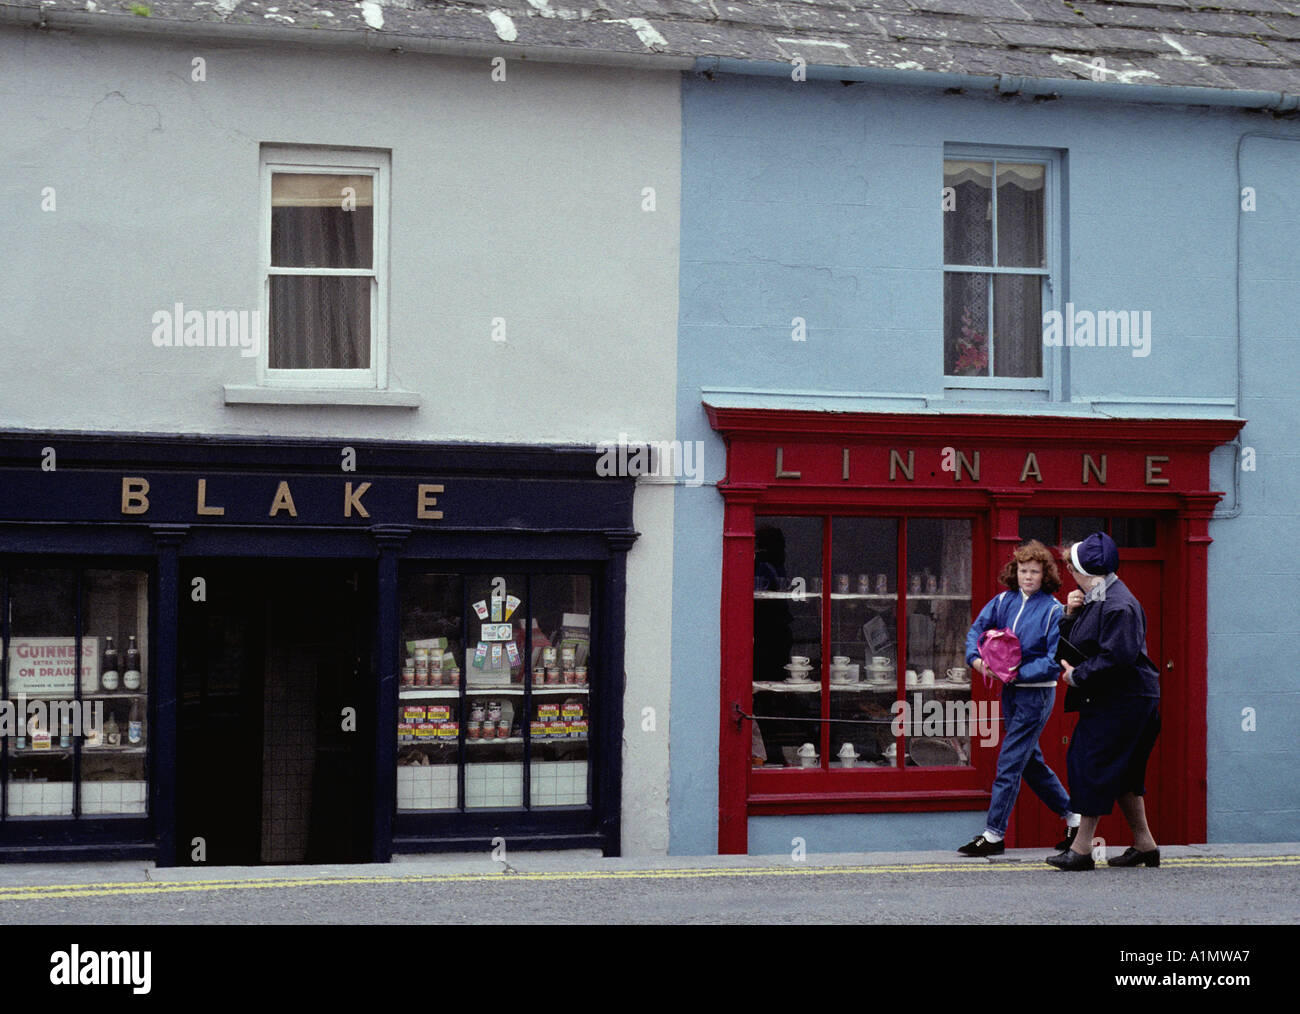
(239, 394)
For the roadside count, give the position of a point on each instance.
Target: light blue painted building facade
(818, 203)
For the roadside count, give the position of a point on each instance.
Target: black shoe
(981, 846)
(1070, 834)
(1132, 857)
(1069, 861)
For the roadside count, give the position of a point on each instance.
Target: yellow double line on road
(46, 892)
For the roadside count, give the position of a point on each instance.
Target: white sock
(1072, 820)
(992, 836)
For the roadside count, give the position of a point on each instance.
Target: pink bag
(1000, 650)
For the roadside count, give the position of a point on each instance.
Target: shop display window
(1055, 531)
(495, 693)
(832, 661)
(80, 746)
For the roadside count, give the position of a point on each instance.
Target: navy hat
(1096, 555)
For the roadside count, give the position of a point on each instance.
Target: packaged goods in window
(481, 608)
(512, 603)
(558, 730)
(548, 712)
(446, 730)
(132, 677)
(480, 654)
(572, 708)
(437, 712)
(431, 646)
(134, 726)
(405, 732)
(578, 729)
(412, 712)
(575, 633)
(108, 675)
(538, 730)
(498, 608)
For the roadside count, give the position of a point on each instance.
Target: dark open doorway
(272, 767)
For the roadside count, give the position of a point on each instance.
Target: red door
(1033, 825)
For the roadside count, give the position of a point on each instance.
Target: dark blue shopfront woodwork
(164, 505)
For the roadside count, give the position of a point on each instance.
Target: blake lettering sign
(136, 502)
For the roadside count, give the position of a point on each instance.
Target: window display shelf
(114, 749)
(568, 688)
(493, 741)
(422, 692)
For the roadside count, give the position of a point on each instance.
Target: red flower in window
(972, 349)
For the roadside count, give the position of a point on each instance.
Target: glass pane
(115, 615)
(319, 323)
(1018, 325)
(1133, 533)
(1040, 527)
(939, 718)
(429, 706)
(562, 678)
(494, 689)
(322, 220)
(1020, 215)
(42, 647)
(1078, 528)
(968, 214)
(965, 325)
(864, 636)
(787, 642)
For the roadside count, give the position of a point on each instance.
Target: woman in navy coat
(1117, 694)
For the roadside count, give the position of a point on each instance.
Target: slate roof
(1225, 44)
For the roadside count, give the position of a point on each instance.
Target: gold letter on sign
(896, 462)
(135, 496)
(351, 500)
(424, 502)
(972, 471)
(203, 508)
(781, 473)
(1091, 466)
(283, 502)
(1153, 470)
(1031, 468)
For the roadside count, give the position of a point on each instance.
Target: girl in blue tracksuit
(1034, 616)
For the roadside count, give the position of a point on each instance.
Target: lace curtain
(325, 221)
(969, 240)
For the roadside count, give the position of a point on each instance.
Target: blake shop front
(238, 652)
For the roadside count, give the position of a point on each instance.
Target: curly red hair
(1032, 551)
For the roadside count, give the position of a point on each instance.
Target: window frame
(1050, 385)
(94, 828)
(411, 825)
(826, 790)
(344, 161)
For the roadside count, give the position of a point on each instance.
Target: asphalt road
(1190, 888)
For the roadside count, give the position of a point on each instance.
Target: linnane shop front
(232, 652)
(857, 550)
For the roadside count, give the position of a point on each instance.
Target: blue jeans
(1025, 711)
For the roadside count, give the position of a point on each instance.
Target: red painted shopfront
(867, 543)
